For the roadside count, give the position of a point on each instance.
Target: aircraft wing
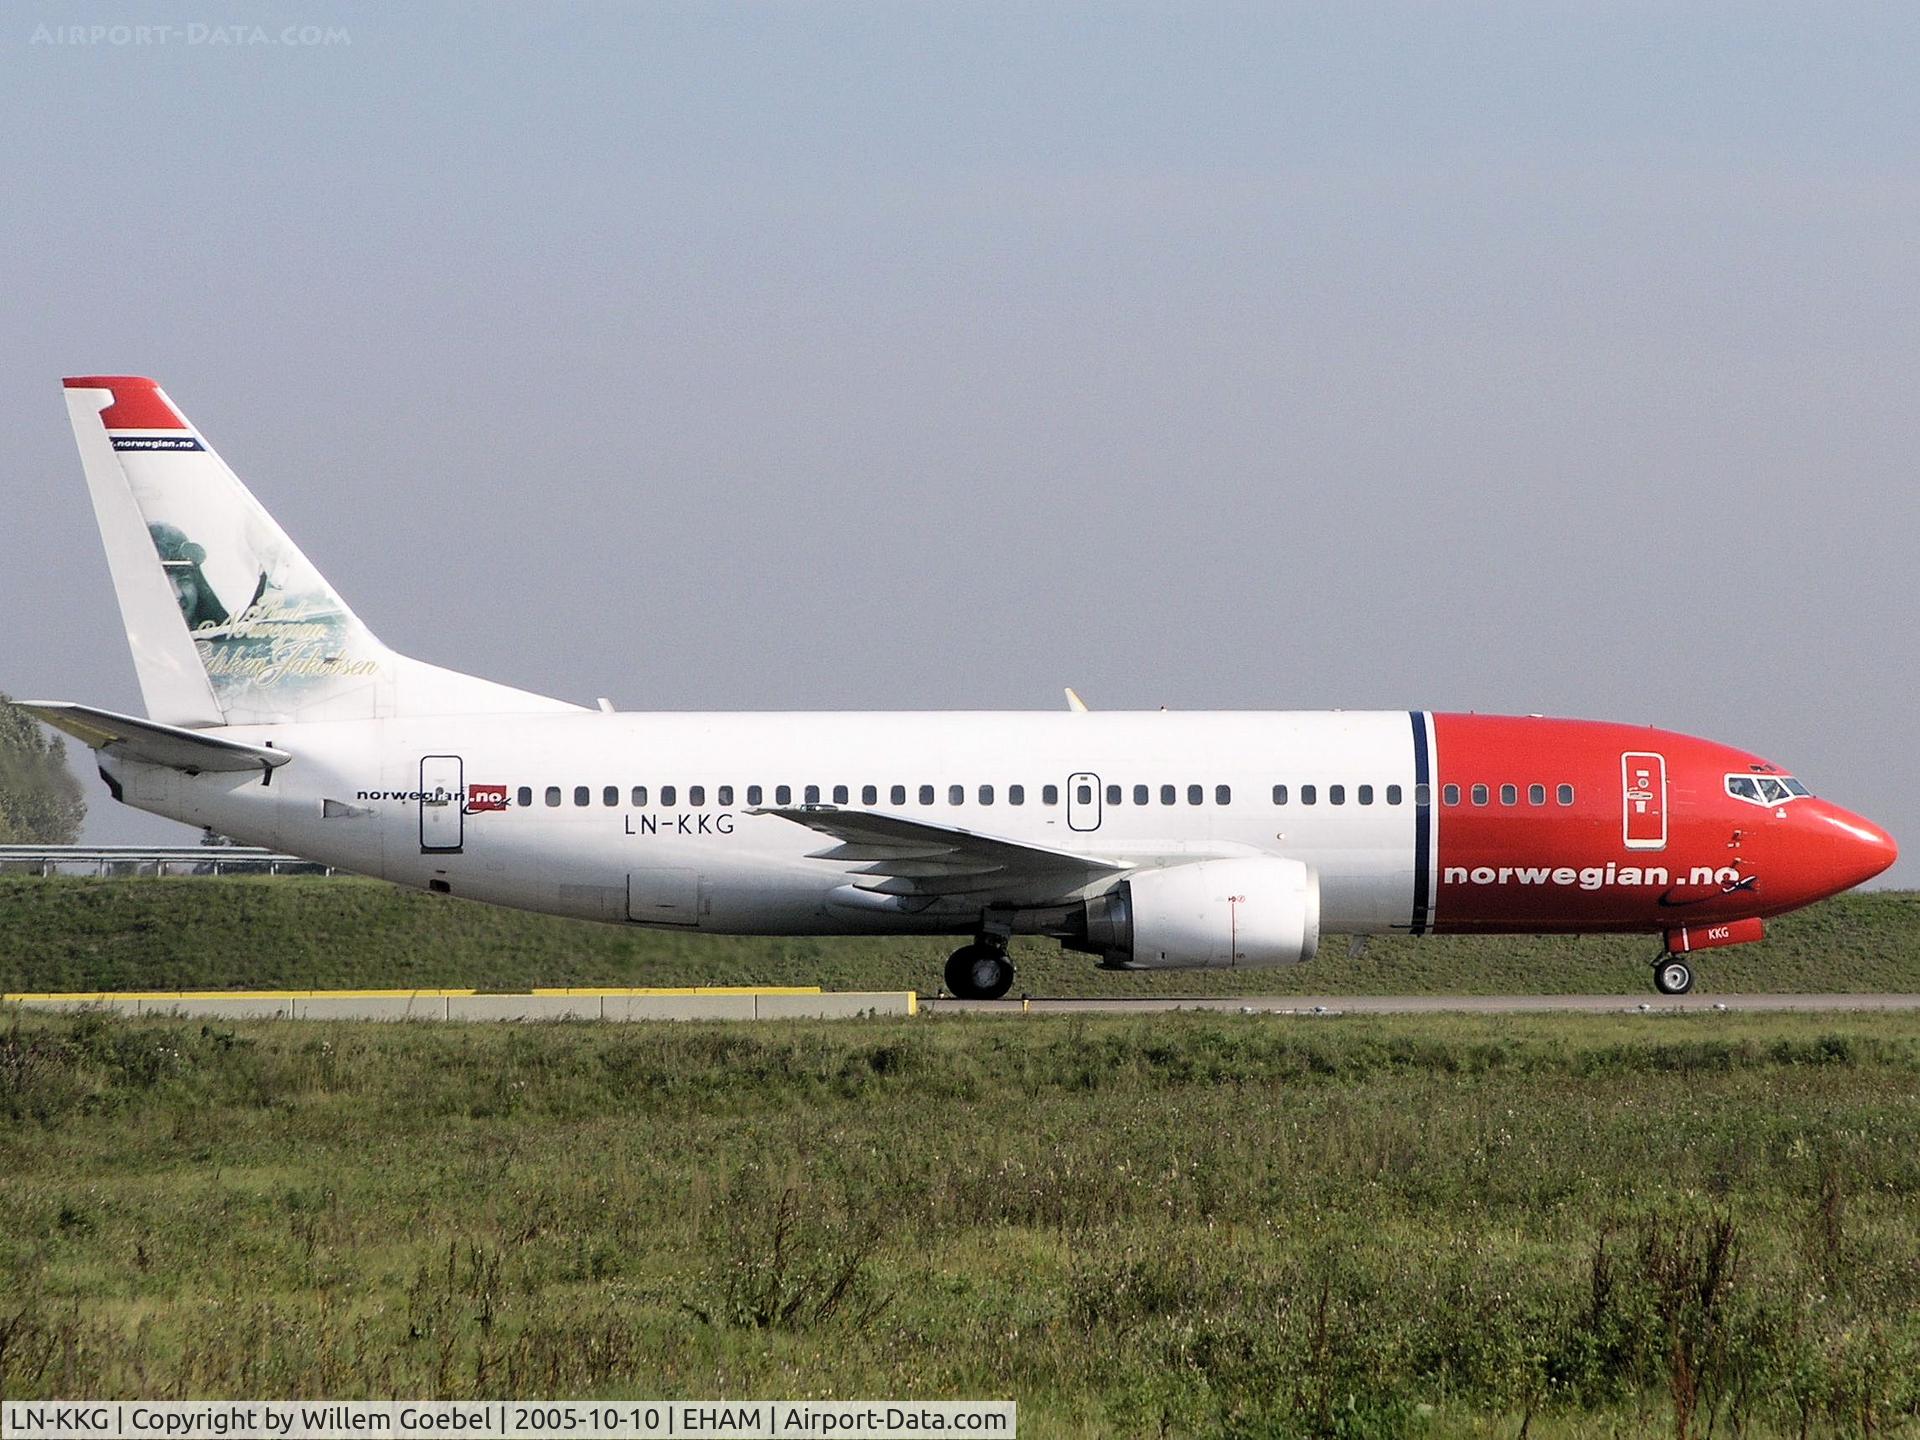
(892, 855)
(151, 742)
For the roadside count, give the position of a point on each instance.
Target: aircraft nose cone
(1857, 849)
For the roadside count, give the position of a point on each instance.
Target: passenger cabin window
(956, 795)
(638, 795)
(525, 797)
(1049, 794)
(1222, 795)
(926, 794)
(1422, 795)
(897, 795)
(610, 795)
(1394, 793)
(754, 792)
(1279, 794)
(869, 794)
(1364, 795)
(696, 795)
(1479, 793)
(668, 795)
(1336, 794)
(1016, 794)
(725, 795)
(1450, 795)
(1509, 794)
(1309, 794)
(1536, 794)
(1196, 794)
(986, 794)
(553, 794)
(1113, 794)
(1083, 794)
(783, 794)
(1167, 795)
(1564, 795)
(1141, 794)
(581, 794)
(839, 794)
(811, 795)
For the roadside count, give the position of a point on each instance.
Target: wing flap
(151, 742)
(892, 855)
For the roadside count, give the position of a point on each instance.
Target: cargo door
(664, 897)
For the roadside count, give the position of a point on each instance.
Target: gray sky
(1518, 358)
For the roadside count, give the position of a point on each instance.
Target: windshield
(1765, 789)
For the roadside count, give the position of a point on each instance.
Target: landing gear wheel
(979, 972)
(1673, 976)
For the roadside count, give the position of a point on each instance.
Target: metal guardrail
(155, 860)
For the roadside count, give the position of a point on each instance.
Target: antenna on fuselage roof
(1074, 702)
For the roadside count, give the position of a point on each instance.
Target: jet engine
(1208, 914)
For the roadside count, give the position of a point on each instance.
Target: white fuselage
(691, 852)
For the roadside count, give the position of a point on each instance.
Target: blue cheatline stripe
(1422, 818)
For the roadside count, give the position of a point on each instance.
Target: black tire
(1673, 976)
(979, 972)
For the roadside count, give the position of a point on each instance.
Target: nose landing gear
(1672, 975)
(980, 970)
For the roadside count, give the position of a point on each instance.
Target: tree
(40, 801)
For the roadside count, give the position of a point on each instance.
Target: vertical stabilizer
(229, 622)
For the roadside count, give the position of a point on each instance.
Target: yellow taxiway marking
(25, 997)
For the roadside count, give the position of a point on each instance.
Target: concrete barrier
(841, 1005)
(236, 1007)
(524, 1007)
(678, 1007)
(112, 1004)
(423, 1006)
(720, 1002)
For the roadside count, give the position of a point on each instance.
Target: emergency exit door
(442, 804)
(1083, 802)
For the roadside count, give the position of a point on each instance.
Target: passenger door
(1643, 787)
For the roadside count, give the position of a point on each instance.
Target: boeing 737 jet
(1148, 840)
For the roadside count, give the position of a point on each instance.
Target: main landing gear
(980, 970)
(1672, 975)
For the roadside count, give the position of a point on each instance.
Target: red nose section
(1845, 850)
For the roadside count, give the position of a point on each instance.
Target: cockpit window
(1765, 789)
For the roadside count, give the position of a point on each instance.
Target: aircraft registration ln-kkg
(1148, 840)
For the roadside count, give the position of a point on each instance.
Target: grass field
(1551, 1226)
(138, 934)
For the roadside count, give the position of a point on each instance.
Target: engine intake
(1209, 915)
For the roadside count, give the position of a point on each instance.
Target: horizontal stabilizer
(150, 742)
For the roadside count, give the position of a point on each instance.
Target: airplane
(1148, 840)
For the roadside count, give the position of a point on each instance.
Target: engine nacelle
(1209, 914)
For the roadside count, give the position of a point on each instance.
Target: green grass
(1437, 1226)
(83, 934)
